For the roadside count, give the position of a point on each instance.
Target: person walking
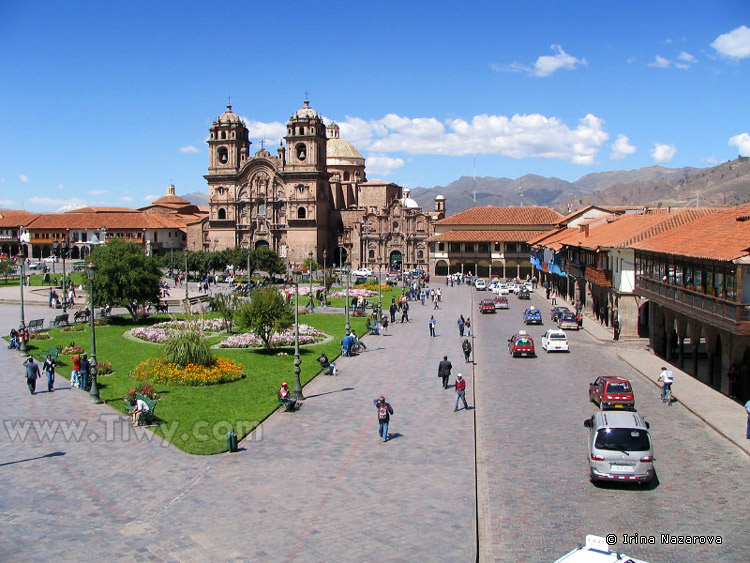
(405, 312)
(460, 392)
(385, 410)
(461, 322)
(554, 297)
(444, 371)
(432, 323)
(667, 377)
(49, 371)
(467, 327)
(616, 327)
(83, 374)
(75, 378)
(466, 347)
(747, 409)
(384, 324)
(32, 373)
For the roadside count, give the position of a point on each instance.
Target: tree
(6, 269)
(125, 276)
(266, 260)
(265, 314)
(226, 304)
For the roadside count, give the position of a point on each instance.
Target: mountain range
(653, 186)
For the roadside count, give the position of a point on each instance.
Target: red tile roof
(485, 236)
(113, 220)
(16, 218)
(722, 235)
(490, 215)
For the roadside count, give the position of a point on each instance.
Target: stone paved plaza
(319, 485)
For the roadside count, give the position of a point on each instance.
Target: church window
(420, 254)
(222, 214)
(346, 176)
(301, 213)
(301, 151)
(220, 190)
(395, 226)
(301, 188)
(223, 134)
(223, 155)
(261, 207)
(371, 254)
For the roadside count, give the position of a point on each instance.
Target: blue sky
(106, 103)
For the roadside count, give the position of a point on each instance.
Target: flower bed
(156, 370)
(153, 334)
(307, 335)
(207, 325)
(354, 292)
(72, 348)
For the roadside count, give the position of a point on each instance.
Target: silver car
(620, 447)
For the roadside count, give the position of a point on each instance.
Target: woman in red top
(74, 380)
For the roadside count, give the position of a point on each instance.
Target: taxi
(532, 316)
(486, 306)
(521, 345)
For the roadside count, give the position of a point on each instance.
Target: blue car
(532, 316)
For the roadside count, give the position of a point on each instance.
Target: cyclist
(667, 377)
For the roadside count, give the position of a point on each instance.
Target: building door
(397, 260)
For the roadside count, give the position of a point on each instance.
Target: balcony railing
(736, 312)
(602, 278)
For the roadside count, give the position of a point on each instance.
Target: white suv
(480, 285)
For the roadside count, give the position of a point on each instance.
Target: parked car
(567, 321)
(524, 293)
(521, 344)
(532, 316)
(620, 447)
(501, 302)
(487, 306)
(50, 259)
(612, 392)
(362, 272)
(596, 550)
(557, 311)
(480, 284)
(501, 289)
(35, 266)
(513, 287)
(555, 340)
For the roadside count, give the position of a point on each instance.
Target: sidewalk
(724, 415)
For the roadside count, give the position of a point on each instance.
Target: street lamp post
(297, 361)
(186, 281)
(311, 304)
(380, 287)
(325, 271)
(61, 249)
(94, 394)
(22, 259)
(346, 303)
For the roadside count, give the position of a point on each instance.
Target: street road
(538, 499)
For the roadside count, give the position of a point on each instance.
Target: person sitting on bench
(14, 344)
(139, 407)
(329, 368)
(286, 397)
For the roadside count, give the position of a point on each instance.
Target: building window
(346, 176)
(223, 155)
(455, 247)
(497, 247)
(261, 208)
(220, 190)
(301, 151)
(441, 246)
(222, 214)
(420, 254)
(301, 213)
(484, 247)
(371, 254)
(469, 247)
(511, 247)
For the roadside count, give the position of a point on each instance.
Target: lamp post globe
(94, 394)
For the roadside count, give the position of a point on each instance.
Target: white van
(620, 447)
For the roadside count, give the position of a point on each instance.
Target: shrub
(145, 390)
(158, 371)
(72, 348)
(39, 336)
(188, 347)
(104, 368)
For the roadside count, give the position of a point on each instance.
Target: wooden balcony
(729, 315)
(602, 278)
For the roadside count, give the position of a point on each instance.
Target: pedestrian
(467, 327)
(83, 374)
(422, 296)
(602, 314)
(49, 371)
(444, 371)
(546, 287)
(392, 310)
(667, 377)
(75, 374)
(32, 373)
(461, 322)
(466, 347)
(732, 376)
(554, 297)
(460, 392)
(747, 409)
(435, 301)
(384, 324)
(405, 312)
(385, 410)
(616, 327)
(432, 323)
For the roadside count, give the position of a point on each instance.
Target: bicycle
(667, 395)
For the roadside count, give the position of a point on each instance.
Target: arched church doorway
(396, 260)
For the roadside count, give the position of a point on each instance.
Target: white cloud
(545, 65)
(57, 204)
(126, 198)
(660, 62)
(621, 148)
(189, 149)
(662, 153)
(96, 192)
(151, 198)
(735, 44)
(687, 57)
(379, 164)
(71, 206)
(24, 178)
(6, 203)
(742, 142)
(271, 132)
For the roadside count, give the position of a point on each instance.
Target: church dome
(229, 116)
(408, 202)
(339, 148)
(306, 112)
(439, 197)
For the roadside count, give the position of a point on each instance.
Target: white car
(480, 285)
(501, 289)
(362, 272)
(513, 287)
(52, 258)
(555, 340)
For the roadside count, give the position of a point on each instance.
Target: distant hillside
(197, 198)
(654, 186)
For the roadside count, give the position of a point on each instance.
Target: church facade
(311, 196)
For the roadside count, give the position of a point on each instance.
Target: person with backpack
(385, 410)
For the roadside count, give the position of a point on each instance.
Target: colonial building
(488, 241)
(311, 196)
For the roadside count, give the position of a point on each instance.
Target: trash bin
(232, 441)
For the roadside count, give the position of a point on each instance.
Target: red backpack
(382, 412)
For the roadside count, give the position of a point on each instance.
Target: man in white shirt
(667, 377)
(139, 407)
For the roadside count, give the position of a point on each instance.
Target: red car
(521, 344)
(487, 306)
(501, 302)
(612, 392)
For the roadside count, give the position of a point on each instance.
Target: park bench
(82, 315)
(36, 324)
(149, 417)
(290, 405)
(60, 320)
(52, 352)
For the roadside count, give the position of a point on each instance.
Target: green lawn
(37, 280)
(197, 419)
